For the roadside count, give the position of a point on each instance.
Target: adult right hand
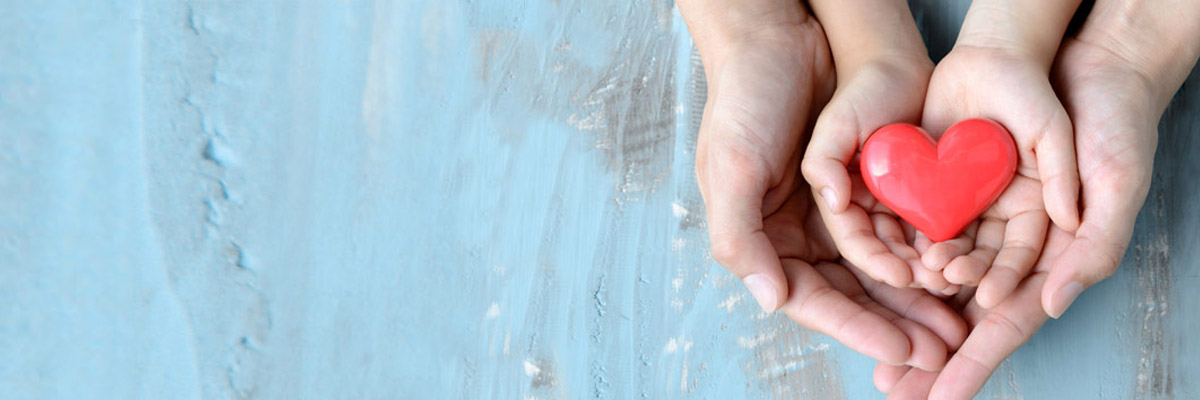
(768, 69)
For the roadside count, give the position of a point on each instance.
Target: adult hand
(1116, 78)
(765, 81)
(768, 69)
(994, 335)
(897, 326)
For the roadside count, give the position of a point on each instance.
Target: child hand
(1013, 90)
(882, 77)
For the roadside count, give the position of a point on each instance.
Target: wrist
(1025, 29)
(905, 71)
(864, 33)
(718, 27)
(1148, 41)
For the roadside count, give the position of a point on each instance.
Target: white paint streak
(756, 340)
(683, 387)
(677, 244)
(591, 122)
(532, 370)
(674, 344)
(732, 301)
(493, 311)
(678, 210)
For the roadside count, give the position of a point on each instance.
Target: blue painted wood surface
(441, 199)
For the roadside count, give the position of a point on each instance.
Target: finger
(929, 279)
(886, 376)
(993, 339)
(1023, 240)
(919, 307)
(968, 269)
(1059, 172)
(854, 235)
(735, 220)
(920, 242)
(817, 305)
(941, 253)
(915, 384)
(1097, 249)
(889, 231)
(832, 147)
(928, 350)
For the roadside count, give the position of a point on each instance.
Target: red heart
(939, 187)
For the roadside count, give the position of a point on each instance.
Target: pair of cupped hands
(796, 88)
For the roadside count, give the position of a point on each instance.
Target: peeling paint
(787, 364)
(1152, 259)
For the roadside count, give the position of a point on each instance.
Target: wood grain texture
(442, 199)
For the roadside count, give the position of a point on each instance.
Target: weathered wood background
(435, 199)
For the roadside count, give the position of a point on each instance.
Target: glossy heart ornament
(939, 187)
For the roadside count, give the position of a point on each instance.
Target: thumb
(1095, 252)
(733, 188)
(1059, 173)
(830, 150)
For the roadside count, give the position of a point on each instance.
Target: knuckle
(724, 250)
(1109, 265)
(811, 169)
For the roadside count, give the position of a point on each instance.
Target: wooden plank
(433, 199)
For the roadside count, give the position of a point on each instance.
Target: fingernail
(1065, 296)
(763, 291)
(830, 198)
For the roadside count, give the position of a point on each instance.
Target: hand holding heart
(1009, 234)
(836, 252)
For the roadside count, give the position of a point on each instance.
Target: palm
(971, 83)
(832, 296)
(1116, 135)
(867, 232)
(994, 334)
(1115, 140)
